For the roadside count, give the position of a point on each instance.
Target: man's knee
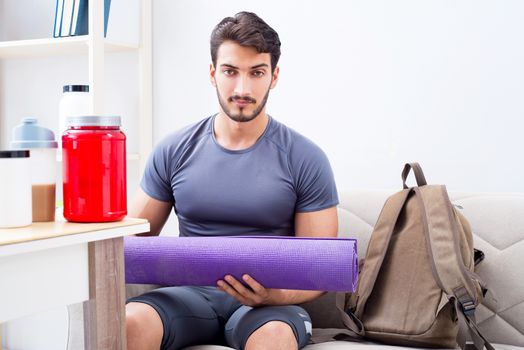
(274, 334)
(276, 329)
(144, 327)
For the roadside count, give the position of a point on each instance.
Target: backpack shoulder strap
(354, 331)
(442, 239)
(378, 246)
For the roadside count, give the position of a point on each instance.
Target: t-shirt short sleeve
(314, 179)
(156, 180)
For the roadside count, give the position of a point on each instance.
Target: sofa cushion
(343, 345)
(346, 345)
(497, 220)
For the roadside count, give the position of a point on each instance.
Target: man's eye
(229, 72)
(258, 73)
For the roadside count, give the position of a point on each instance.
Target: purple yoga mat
(328, 264)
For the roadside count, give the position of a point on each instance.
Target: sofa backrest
(497, 221)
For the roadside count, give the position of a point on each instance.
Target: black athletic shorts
(207, 315)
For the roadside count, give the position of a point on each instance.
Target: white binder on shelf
(76, 10)
(67, 17)
(58, 18)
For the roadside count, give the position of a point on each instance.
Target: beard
(241, 116)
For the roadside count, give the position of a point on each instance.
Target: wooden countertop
(45, 235)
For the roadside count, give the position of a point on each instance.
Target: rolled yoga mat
(327, 264)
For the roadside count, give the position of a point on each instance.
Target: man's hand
(307, 224)
(255, 295)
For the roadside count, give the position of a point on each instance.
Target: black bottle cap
(76, 88)
(14, 154)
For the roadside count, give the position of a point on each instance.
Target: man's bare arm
(155, 211)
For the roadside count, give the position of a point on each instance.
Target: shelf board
(73, 45)
(133, 156)
(129, 157)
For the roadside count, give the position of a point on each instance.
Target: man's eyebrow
(226, 65)
(265, 65)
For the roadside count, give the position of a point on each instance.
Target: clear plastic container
(40, 141)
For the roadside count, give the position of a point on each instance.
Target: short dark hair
(246, 29)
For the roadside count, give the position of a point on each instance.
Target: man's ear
(275, 77)
(212, 72)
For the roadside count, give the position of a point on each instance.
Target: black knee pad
(246, 320)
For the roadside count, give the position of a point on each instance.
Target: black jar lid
(14, 154)
(76, 88)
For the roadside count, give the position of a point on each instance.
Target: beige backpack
(416, 285)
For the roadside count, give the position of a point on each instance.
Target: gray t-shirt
(255, 191)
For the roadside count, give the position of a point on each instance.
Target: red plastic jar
(94, 169)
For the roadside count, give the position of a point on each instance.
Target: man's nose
(243, 85)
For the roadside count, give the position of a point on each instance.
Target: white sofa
(497, 221)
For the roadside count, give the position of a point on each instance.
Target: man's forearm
(290, 296)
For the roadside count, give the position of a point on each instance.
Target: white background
(374, 83)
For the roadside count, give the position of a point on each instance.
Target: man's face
(242, 78)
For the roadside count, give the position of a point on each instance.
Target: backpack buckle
(466, 302)
(468, 307)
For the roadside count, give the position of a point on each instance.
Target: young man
(238, 172)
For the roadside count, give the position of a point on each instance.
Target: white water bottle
(74, 102)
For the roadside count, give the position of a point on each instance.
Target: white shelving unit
(96, 47)
(74, 45)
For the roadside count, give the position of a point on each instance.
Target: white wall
(374, 83)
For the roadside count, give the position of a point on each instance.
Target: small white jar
(15, 189)
(75, 102)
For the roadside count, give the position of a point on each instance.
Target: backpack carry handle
(417, 170)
